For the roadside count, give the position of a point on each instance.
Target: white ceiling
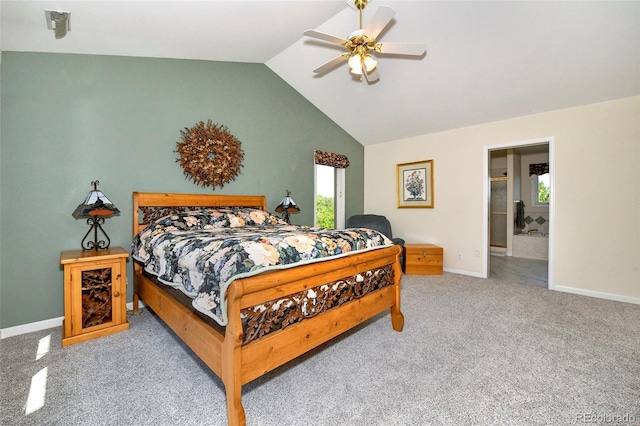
(485, 61)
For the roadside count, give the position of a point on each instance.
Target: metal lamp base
(95, 224)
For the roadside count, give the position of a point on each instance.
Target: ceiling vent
(58, 21)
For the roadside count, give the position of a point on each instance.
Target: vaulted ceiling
(486, 60)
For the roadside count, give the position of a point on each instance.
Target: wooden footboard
(238, 363)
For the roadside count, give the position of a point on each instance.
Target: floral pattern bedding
(201, 252)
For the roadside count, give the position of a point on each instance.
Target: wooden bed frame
(222, 348)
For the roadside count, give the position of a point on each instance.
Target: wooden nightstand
(95, 293)
(423, 259)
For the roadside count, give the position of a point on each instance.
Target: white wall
(596, 188)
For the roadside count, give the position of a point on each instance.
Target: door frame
(487, 193)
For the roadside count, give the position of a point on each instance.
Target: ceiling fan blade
(325, 37)
(331, 64)
(371, 76)
(412, 49)
(382, 16)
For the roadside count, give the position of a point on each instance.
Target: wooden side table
(95, 293)
(423, 259)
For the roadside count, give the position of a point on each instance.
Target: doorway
(506, 188)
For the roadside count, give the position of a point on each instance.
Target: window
(325, 197)
(329, 182)
(540, 189)
(540, 184)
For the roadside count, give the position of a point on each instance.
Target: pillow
(185, 221)
(218, 218)
(239, 217)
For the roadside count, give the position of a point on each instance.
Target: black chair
(378, 223)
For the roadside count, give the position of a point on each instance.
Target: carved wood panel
(279, 314)
(96, 297)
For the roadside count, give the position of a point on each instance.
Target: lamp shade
(355, 63)
(369, 63)
(95, 208)
(96, 204)
(287, 205)
(359, 62)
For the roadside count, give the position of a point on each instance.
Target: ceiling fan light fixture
(363, 41)
(355, 63)
(369, 63)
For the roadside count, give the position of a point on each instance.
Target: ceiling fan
(362, 41)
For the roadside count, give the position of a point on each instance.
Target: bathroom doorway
(519, 236)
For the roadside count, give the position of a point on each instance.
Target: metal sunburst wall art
(209, 154)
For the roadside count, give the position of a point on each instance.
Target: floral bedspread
(202, 252)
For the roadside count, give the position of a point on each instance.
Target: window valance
(331, 159)
(538, 169)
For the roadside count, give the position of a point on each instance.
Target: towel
(519, 216)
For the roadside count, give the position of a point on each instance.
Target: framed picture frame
(415, 184)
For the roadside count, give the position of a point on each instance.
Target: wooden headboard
(148, 206)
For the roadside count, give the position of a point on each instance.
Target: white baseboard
(463, 272)
(31, 327)
(598, 294)
(40, 325)
(572, 290)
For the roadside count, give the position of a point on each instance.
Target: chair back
(372, 221)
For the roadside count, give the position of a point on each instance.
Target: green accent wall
(67, 120)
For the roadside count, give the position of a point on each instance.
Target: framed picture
(415, 184)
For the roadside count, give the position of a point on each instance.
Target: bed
(265, 324)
